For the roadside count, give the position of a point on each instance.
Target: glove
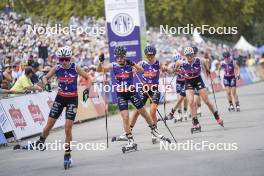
(219, 77)
(85, 95)
(101, 57)
(238, 77)
(208, 72)
(47, 87)
(131, 63)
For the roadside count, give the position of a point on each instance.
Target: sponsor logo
(122, 24)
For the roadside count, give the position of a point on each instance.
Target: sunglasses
(189, 55)
(65, 59)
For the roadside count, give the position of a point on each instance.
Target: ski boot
(185, 115)
(196, 126)
(231, 108)
(130, 144)
(220, 121)
(120, 138)
(154, 139)
(179, 118)
(67, 160)
(156, 133)
(170, 116)
(238, 108)
(199, 112)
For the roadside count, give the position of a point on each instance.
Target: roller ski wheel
(154, 140)
(175, 121)
(129, 148)
(220, 122)
(166, 140)
(196, 129)
(113, 139)
(238, 108)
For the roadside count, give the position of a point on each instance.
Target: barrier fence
(26, 115)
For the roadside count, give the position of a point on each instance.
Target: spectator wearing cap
(24, 82)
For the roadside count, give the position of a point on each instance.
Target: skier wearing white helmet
(67, 73)
(191, 68)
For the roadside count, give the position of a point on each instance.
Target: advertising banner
(123, 28)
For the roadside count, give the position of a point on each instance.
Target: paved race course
(244, 128)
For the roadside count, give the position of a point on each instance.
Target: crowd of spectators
(26, 57)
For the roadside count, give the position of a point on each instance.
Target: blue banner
(124, 29)
(2, 138)
(244, 75)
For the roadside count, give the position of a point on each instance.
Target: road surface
(243, 130)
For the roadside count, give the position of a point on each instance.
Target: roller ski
(199, 112)
(38, 145)
(67, 161)
(119, 138)
(131, 146)
(157, 134)
(231, 108)
(196, 126)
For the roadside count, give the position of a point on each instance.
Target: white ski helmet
(64, 52)
(188, 51)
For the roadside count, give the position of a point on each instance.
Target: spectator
(24, 82)
(251, 61)
(7, 76)
(35, 77)
(15, 71)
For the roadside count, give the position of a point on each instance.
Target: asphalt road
(243, 131)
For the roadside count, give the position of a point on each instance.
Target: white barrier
(28, 114)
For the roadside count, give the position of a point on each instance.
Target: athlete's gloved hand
(238, 77)
(207, 72)
(85, 94)
(131, 63)
(47, 87)
(219, 77)
(101, 57)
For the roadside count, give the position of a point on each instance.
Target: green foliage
(245, 14)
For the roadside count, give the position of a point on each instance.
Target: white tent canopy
(242, 44)
(197, 37)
